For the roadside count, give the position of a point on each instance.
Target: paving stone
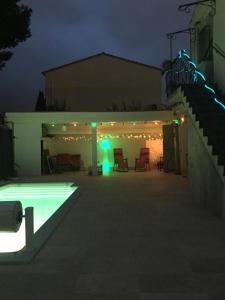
(168, 283)
(85, 296)
(174, 296)
(129, 236)
(106, 283)
(208, 265)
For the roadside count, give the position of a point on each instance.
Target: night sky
(64, 31)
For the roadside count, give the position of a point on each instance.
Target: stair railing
(185, 72)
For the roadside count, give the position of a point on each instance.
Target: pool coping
(26, 254)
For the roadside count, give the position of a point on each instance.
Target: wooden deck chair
(142, 163)
(120, 163)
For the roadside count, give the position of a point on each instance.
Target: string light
(100, 137)
(64, 127)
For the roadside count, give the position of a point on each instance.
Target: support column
(94, 149)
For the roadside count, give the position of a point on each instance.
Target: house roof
(100, 54)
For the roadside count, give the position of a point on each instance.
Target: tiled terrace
(133, 236)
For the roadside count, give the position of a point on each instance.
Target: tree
(41, 102)
(14, 27)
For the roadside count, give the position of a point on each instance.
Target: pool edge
(26, 254)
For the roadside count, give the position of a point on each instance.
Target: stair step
(209, 101)
(218, 150)
(214, 140)
(197, 108)
(213, 131)
(221, 160)
(210, 124)
(201, 101)
(211, 116)
(213, 119)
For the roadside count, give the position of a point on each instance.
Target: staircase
(211, 117)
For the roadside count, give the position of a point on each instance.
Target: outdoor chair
(120, 163)
(66, 162)
(142, 163)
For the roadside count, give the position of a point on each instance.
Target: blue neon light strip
(185, 54)
(210, 89)
(181, 53)
(221, 104)
(192, 63)
(199, 73)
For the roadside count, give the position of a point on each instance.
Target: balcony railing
(182, 72)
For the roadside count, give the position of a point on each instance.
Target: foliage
(41, 102)
(14, 27)
(166, 65)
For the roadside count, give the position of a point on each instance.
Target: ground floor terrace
(135, 236)
(41, 140)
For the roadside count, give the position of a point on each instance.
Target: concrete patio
(133, 236)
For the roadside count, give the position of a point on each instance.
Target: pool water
(45, 198)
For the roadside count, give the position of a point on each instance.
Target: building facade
(103, 82)
(208, 42)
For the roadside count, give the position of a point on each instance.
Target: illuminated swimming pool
(45, 198)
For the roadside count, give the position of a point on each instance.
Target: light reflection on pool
(46, 198)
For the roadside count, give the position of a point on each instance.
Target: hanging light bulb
(64, 127)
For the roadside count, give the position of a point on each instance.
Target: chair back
(118, 154)
(144, 154)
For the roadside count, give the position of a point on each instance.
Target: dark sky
(64, 31)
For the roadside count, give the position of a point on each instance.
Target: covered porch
(90, 136)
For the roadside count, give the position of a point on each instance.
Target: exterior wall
(183, 147)
(205, 179)
(219, 39)
(205, 186)
(201, 18)
(27, 145)
(94, 84)
(214, 69)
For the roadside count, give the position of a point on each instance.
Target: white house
(208, 44)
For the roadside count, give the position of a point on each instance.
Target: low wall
(205, 184)
(205, 177)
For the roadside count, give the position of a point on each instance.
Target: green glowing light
(176, 122)
(93, 124)
(105, 167)
(105, 144)
(46, 198)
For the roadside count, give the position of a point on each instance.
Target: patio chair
(142, 163)
(120, 163)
